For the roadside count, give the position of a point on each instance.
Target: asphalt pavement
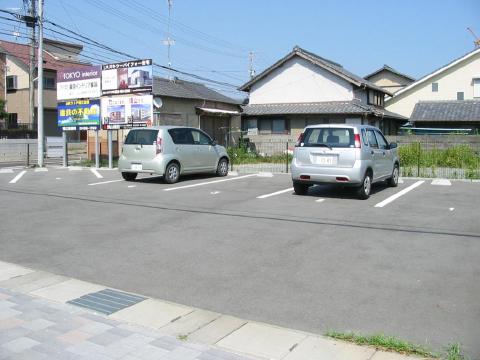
(325, 261)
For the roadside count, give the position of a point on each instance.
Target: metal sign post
(97, 150)
(65, 148)
(110, 149)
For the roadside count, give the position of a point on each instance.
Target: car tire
(393, 181)
(129, 176)
(300, 189)
(364, 190)
(172, 173)
(222, 167)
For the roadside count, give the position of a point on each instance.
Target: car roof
(162, 127)
(341, 126)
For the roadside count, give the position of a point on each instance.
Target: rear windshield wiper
(319, 145)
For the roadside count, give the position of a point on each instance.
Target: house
(194, 104)
(390, 79)
(57, 55)
(303, 88)
(447, 97)
(184, 103)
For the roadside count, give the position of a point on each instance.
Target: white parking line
(16, 178)
(320, 200)
(6, 171)
(274, 193)
(106, 182)
(441, 182)
(400, 193)
(42, 169)
(210, 182)
(74, 168)
(96, 173)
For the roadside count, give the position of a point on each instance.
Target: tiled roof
(390, 69)
(188, 90)
(328, 107)
(328, 65)
(21, 52)
(455, 110)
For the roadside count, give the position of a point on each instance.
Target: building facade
(303, 89)
(389, 79)
(453, 83)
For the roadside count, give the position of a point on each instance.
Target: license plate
(326, 160)
(136, 167)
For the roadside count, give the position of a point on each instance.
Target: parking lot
(404, 262)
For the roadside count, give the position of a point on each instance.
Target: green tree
(3, 113)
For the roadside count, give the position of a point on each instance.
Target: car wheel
(364, 189)
(300, 189)
(222, 167)
(172, 173)
(129, 176)
(393, 181)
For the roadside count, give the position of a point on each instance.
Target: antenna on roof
(476, 42)
(169, 41)
(251, 56)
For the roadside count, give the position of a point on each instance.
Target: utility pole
(251, 56)
(40, 139)
(32, 65)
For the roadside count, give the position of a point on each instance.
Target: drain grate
(107, 301)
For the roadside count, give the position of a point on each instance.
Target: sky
(214, 38)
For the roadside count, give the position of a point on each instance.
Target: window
(476, 88)
(460, 95)
(382, 142)
(141, 137)
(272, 126)
(364, 137)
(434, 87)
(12, 82)
(49, 83)
(333, 137)
(12, 120)
(181, 136)
(199, 138)
(375, 98)
(372, 140)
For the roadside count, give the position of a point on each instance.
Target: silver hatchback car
(353, 155)
(171, 151)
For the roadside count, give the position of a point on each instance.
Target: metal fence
(23, 152)
(431, 157)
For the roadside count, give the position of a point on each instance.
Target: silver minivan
(352, 155)
(171, 151)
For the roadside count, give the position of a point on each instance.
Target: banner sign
(120, 112)
(127, 77)
(79, 114)
(79, 83)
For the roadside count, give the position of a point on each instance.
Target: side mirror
(213, 142)
(393, 145)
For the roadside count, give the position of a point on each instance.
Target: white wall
(300, 81)
(14, 68)
(456, 79)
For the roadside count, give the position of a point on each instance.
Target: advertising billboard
(79, 83)
(79, 114)
(127, 77)
(120, 112)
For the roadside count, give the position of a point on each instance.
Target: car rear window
(141, 137)
(333, 137)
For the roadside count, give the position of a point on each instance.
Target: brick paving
(33, 328)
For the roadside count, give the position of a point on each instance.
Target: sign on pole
(129, 77)
(79, 83)
(128, 111)
(79, 114)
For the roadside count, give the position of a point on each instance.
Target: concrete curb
(251, 338)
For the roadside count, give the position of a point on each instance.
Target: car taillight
(358, 143)
(300, 139)
(159, 147)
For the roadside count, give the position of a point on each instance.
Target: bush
(460, 156)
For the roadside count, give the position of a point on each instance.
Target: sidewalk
(36, 322)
